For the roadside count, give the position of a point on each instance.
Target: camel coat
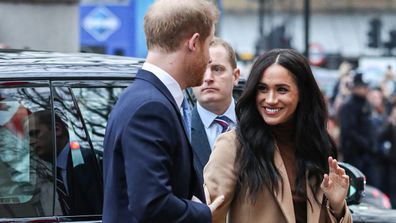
(220, 178)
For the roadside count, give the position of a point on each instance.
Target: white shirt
(169, 82)
(213, 129)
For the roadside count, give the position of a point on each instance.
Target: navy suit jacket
(200, 143)
(148, 161)
(84, 185)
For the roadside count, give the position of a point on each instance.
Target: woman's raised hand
(335, 186)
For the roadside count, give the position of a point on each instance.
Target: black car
(51, 101)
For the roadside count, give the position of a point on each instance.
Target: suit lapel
(285, 199)
(150, 77)
(199, 138)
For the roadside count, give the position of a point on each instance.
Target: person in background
(277, 165)
(341, 90)
(148, 160)
(77, 185)
(387, 135)
(388, 84)
(215, 109)
(379, 118)
(358, 138)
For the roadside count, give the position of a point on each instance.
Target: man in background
(78, 188)
(215, 110)
(358, 137)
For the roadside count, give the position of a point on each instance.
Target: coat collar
(285, 198)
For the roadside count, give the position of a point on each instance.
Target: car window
(26, 183)
(36, 126)
(96, 100)
(79, 179)
(96, 105)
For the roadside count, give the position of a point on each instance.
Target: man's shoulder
(139, 92)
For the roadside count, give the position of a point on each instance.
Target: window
(76, 164)
(51, 147)
(26, 185)
(96, 103)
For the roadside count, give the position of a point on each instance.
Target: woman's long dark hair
(256, 145)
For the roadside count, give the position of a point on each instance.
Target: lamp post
(307, 15)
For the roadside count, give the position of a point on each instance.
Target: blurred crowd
(363, 124)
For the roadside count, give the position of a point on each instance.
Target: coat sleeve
(219, 174)
(149, 146)
(347, 218)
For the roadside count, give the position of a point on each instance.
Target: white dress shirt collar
(169, 82)
(212, 129)
(208, 117)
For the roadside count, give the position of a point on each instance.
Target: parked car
(76, 92)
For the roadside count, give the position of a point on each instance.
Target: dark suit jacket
(148, 168)
(200, 143)
(85, 188)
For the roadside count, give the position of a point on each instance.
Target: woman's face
(277, 95)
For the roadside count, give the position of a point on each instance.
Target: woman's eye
(261, 88)
(282, 90)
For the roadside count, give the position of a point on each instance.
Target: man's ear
(193, 41)
(58, 129)
(236, 74)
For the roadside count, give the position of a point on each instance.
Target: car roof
(36, 65)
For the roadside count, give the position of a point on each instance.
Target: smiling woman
(277, 165)
(277, 95)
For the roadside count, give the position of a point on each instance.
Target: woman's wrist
(337, 212)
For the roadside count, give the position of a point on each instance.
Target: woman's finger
(325, 181)
(216, 203)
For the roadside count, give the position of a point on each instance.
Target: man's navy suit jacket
(200, 143)
(148, 161)
(84, 187)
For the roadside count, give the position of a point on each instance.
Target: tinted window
(26, 183)
(96, 100)
(96, 105)
(42, 131)
(79, 177)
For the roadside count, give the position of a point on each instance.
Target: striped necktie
(63, 196)
(223, 121)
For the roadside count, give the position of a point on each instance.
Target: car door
(88, 103)
(27, 187)
(29, 161)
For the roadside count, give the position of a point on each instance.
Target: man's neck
(169, 62)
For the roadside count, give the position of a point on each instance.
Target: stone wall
(40, 24)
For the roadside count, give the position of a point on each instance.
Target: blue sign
(101, 23)
(106, 27)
